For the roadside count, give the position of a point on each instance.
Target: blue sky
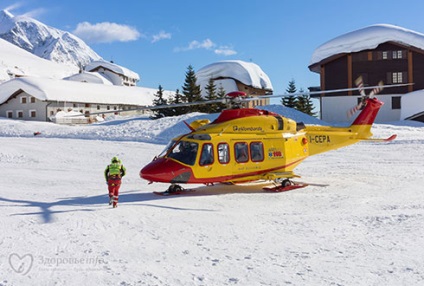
(158, 39)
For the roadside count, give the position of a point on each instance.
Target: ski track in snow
(362, 225)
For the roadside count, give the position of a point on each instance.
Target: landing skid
(174, 190)
(286, 185)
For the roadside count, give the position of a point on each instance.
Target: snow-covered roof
(364, 39)
(247, 73)
(91, 77)
(46, 89)
(113, 67)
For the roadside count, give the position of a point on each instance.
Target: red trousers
(113, 185)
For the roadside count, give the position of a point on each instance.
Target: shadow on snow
(92, 203)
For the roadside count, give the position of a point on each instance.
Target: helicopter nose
(165, 170)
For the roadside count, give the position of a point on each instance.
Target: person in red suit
(113, 175)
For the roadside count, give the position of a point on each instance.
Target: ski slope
(360, 223)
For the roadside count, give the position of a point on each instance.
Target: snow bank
(139, 129)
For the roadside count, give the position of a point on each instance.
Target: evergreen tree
(177, 99)
(304, 104)
(308, 106)
(290, 100)
(211, 94)
(300, 102)
(221, 95)
(191, 90)
(159, 101)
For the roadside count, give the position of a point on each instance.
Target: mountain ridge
(45, 41)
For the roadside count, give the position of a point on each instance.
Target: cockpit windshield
(169, 146)
(184, 152)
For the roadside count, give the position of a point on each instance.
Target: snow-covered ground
(361, 223)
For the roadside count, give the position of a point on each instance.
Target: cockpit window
(170, 144)
(206, 157)
(184, 152)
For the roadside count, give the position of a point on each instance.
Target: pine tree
(221, 95)
(159, 101)
(290, 100)
(302, 103)
(177, 99)
(308, 106)
(191, 90)
(211, 95)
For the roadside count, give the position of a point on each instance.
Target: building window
(396, 102)
(397, 55)
(32, 113)
(19, 114)
(385, 55)
(108, 107)
(9, 114)
(32, 99)
(397, 77)
(87, 105)
(98, 107)
(23, 100)
(223, 153)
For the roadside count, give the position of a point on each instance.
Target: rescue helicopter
(248, 144)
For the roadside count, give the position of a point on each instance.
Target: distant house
(236, 76)
(42, 99)
(116, 74)
(381, 52)
(90, 77)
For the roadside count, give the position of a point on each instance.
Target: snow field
(359, 223)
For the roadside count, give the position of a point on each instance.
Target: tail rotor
(360, 85)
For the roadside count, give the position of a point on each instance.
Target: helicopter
(248, 144)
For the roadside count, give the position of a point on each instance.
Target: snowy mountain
(45, 41)
(19, 62)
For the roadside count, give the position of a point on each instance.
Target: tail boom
(325, 138)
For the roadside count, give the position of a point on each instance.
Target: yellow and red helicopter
(249, 144)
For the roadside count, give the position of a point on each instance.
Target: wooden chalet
(377, 53)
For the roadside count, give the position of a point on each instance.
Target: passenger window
(206, 158)
(257, 151)
(223, 153)
(241, 152)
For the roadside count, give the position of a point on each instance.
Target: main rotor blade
(241, 99)
(334, 90)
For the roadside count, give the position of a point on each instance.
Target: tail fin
(366, 118)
